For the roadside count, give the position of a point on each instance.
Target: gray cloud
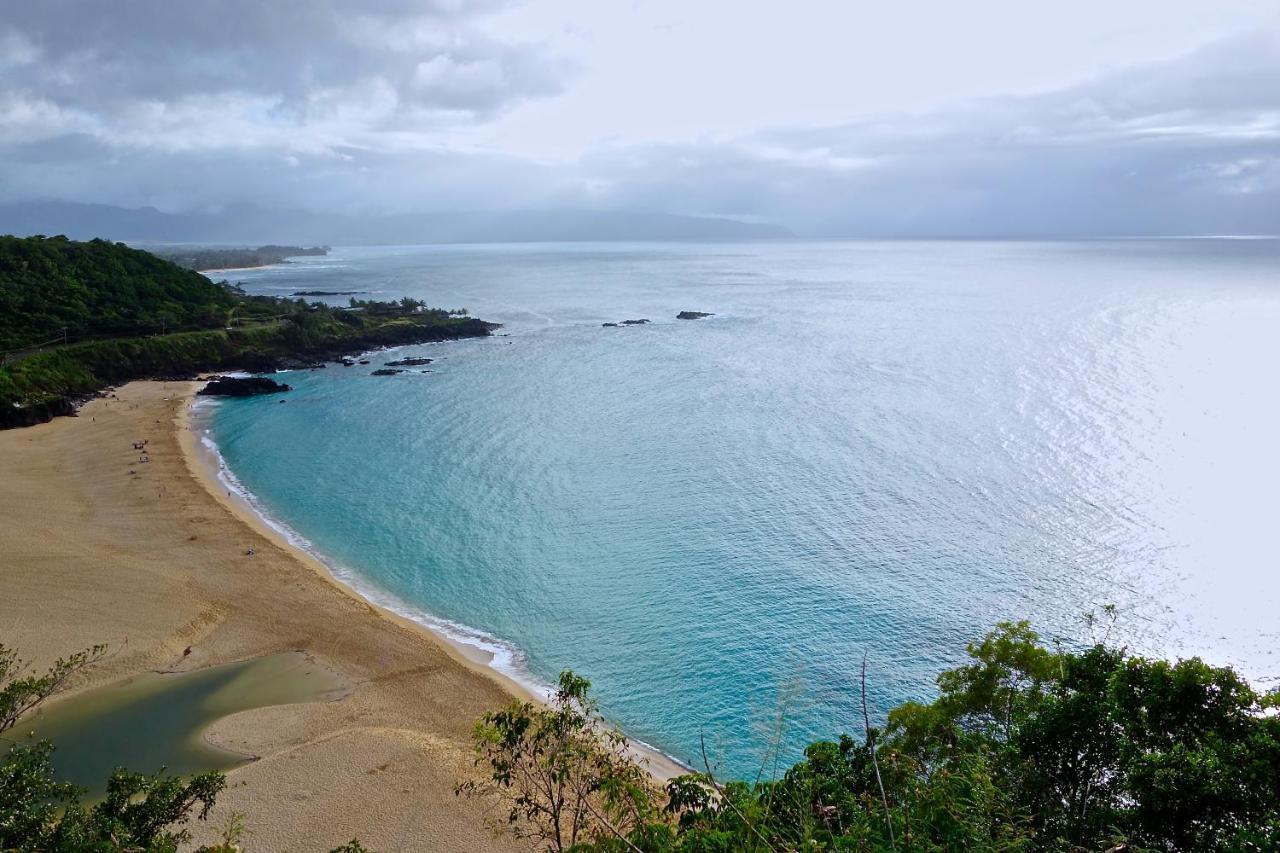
(355, 105)
(1191, 145)
(125, 69)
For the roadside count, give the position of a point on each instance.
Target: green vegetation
(125, 314)
(1026, 748)
(563, 775)
(98, 289)
(199, 258)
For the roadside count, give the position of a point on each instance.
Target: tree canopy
(1026, 748)
(98, 289)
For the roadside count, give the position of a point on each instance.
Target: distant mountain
(256, 225)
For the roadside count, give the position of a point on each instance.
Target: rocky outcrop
(37, 413)
(92, 365)
(386, 371)
(410, 362)
(242, 386)
(693, 315)
(634, 322)
(609, 325)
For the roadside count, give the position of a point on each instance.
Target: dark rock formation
(634, 322)
(693, 315)
(246, 386)
(327, 292)
(38, 413)
(386, 371)
(410, 362)
(271, 357)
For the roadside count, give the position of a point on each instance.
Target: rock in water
(242, 386)
(609, 325)
(410, 362)
(386, 371)
(693, 315)
(634, 322)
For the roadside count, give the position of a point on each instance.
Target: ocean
(871, 448)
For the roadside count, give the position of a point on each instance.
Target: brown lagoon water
(158, 720)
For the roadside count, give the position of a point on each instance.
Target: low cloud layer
(355, 105)
(1186, 146)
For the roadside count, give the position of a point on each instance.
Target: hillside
(75, 317)
(98, 289)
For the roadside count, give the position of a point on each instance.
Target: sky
(987, 118)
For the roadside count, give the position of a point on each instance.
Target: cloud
(139, 69)
(1189, 145)
(385, 106)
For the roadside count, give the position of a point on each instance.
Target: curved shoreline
(207, 467)
(108, 537)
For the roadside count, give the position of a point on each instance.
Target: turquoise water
(872, 447)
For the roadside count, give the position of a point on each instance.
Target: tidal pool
(158, 720)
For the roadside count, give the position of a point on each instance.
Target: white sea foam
(503, 656)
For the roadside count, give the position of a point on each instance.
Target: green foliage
(22, 690)
(563, 776)
(114, 301)
(98, 289)
(140, 812)
(1025, 748)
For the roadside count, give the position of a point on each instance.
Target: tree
(1024, 748)
(37, 812)
(22, 691)
(563, 774)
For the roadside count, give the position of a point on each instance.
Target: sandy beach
(152, 559)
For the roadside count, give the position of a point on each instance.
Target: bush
(1025, 748)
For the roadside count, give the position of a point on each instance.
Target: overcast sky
(840, 117)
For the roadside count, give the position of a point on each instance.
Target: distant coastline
(208, 260)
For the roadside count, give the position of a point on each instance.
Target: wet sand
(97, 546)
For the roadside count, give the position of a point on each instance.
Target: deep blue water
(872, 447)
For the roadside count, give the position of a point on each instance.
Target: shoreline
(103, 542)
(207, 467)
(205, 273)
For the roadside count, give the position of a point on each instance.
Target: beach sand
(150, 557)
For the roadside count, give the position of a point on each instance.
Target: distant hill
(202, 258)
(255, 225)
